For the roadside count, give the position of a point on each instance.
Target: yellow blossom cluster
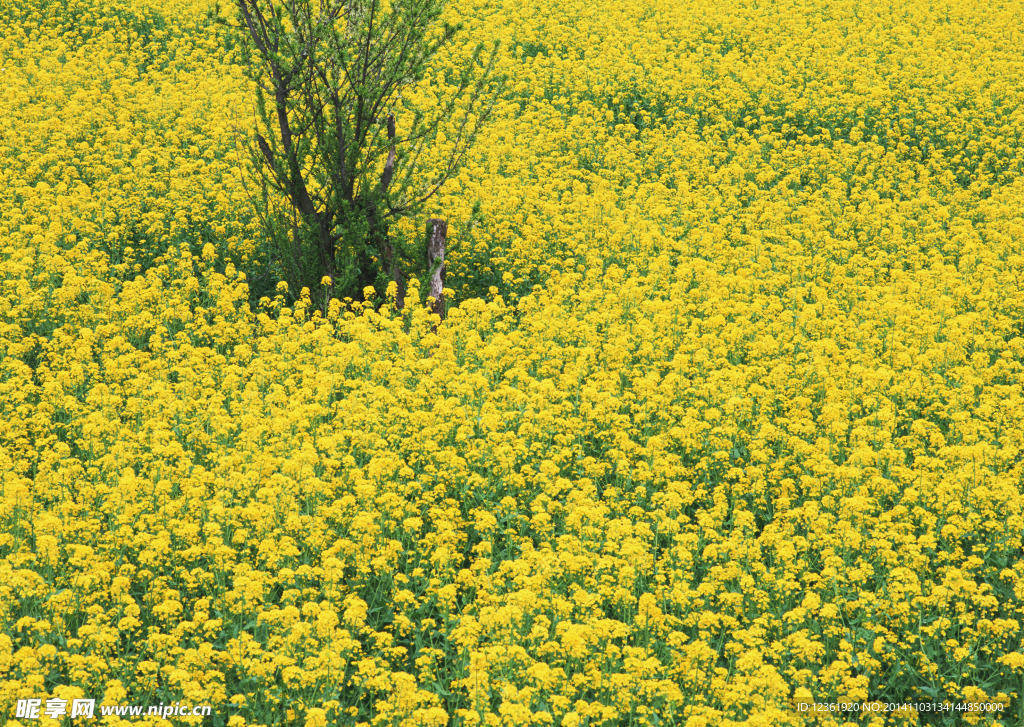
(738, 431)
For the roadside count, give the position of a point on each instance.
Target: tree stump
(437, 236)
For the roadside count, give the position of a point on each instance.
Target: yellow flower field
(726, 426)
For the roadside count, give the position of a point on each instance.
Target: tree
(330, 76)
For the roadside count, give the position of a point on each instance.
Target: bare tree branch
(389, 165)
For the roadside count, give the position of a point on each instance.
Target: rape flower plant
(736, 427)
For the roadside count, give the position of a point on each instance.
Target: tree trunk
(399, 277)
